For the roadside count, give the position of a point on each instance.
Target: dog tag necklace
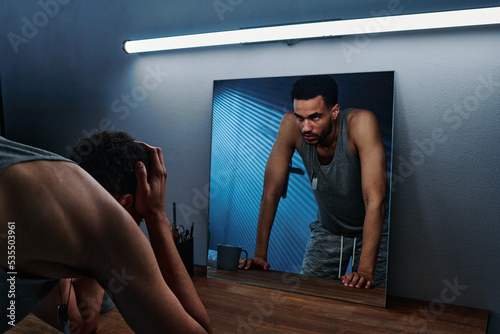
(62, 310)
(314, 178)
(314, 181)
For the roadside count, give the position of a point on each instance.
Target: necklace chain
(331, 142)
(314, 179)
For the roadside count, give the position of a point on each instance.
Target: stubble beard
(322, 136)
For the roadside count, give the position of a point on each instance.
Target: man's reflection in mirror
(345, 160)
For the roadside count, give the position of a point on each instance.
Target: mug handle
(245, 258)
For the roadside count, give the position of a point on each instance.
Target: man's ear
(335, 111)
(126, 201)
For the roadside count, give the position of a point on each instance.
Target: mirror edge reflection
(211, 269)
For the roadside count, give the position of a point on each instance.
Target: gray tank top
(12, 153)
(338, 194)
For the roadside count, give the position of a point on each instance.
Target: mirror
(246, 117)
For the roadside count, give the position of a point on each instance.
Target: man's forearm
(372, 232)
(267, 212)
(173, 269)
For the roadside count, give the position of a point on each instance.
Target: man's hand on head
(150, 194)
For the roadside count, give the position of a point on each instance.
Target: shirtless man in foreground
(67, 225)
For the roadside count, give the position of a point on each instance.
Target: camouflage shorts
(323, 255)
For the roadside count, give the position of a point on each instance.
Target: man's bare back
(67, 225)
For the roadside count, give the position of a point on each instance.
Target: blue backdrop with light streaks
(245, 122)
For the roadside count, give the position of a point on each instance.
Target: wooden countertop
(246, 308)
(243, 308)
(306, 285)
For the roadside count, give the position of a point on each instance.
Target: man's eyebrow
(316, 114)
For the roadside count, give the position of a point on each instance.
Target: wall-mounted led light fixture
(435, 20)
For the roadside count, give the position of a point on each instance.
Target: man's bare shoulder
(289, 132)
(361, 120)
(360, 115)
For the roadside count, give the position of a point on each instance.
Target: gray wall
(70, 76)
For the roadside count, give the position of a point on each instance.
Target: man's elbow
(375, 206)
(271, 195)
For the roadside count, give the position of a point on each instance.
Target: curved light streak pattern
(245, 123)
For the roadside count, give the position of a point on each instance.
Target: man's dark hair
(308, 87)
(110, 157)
